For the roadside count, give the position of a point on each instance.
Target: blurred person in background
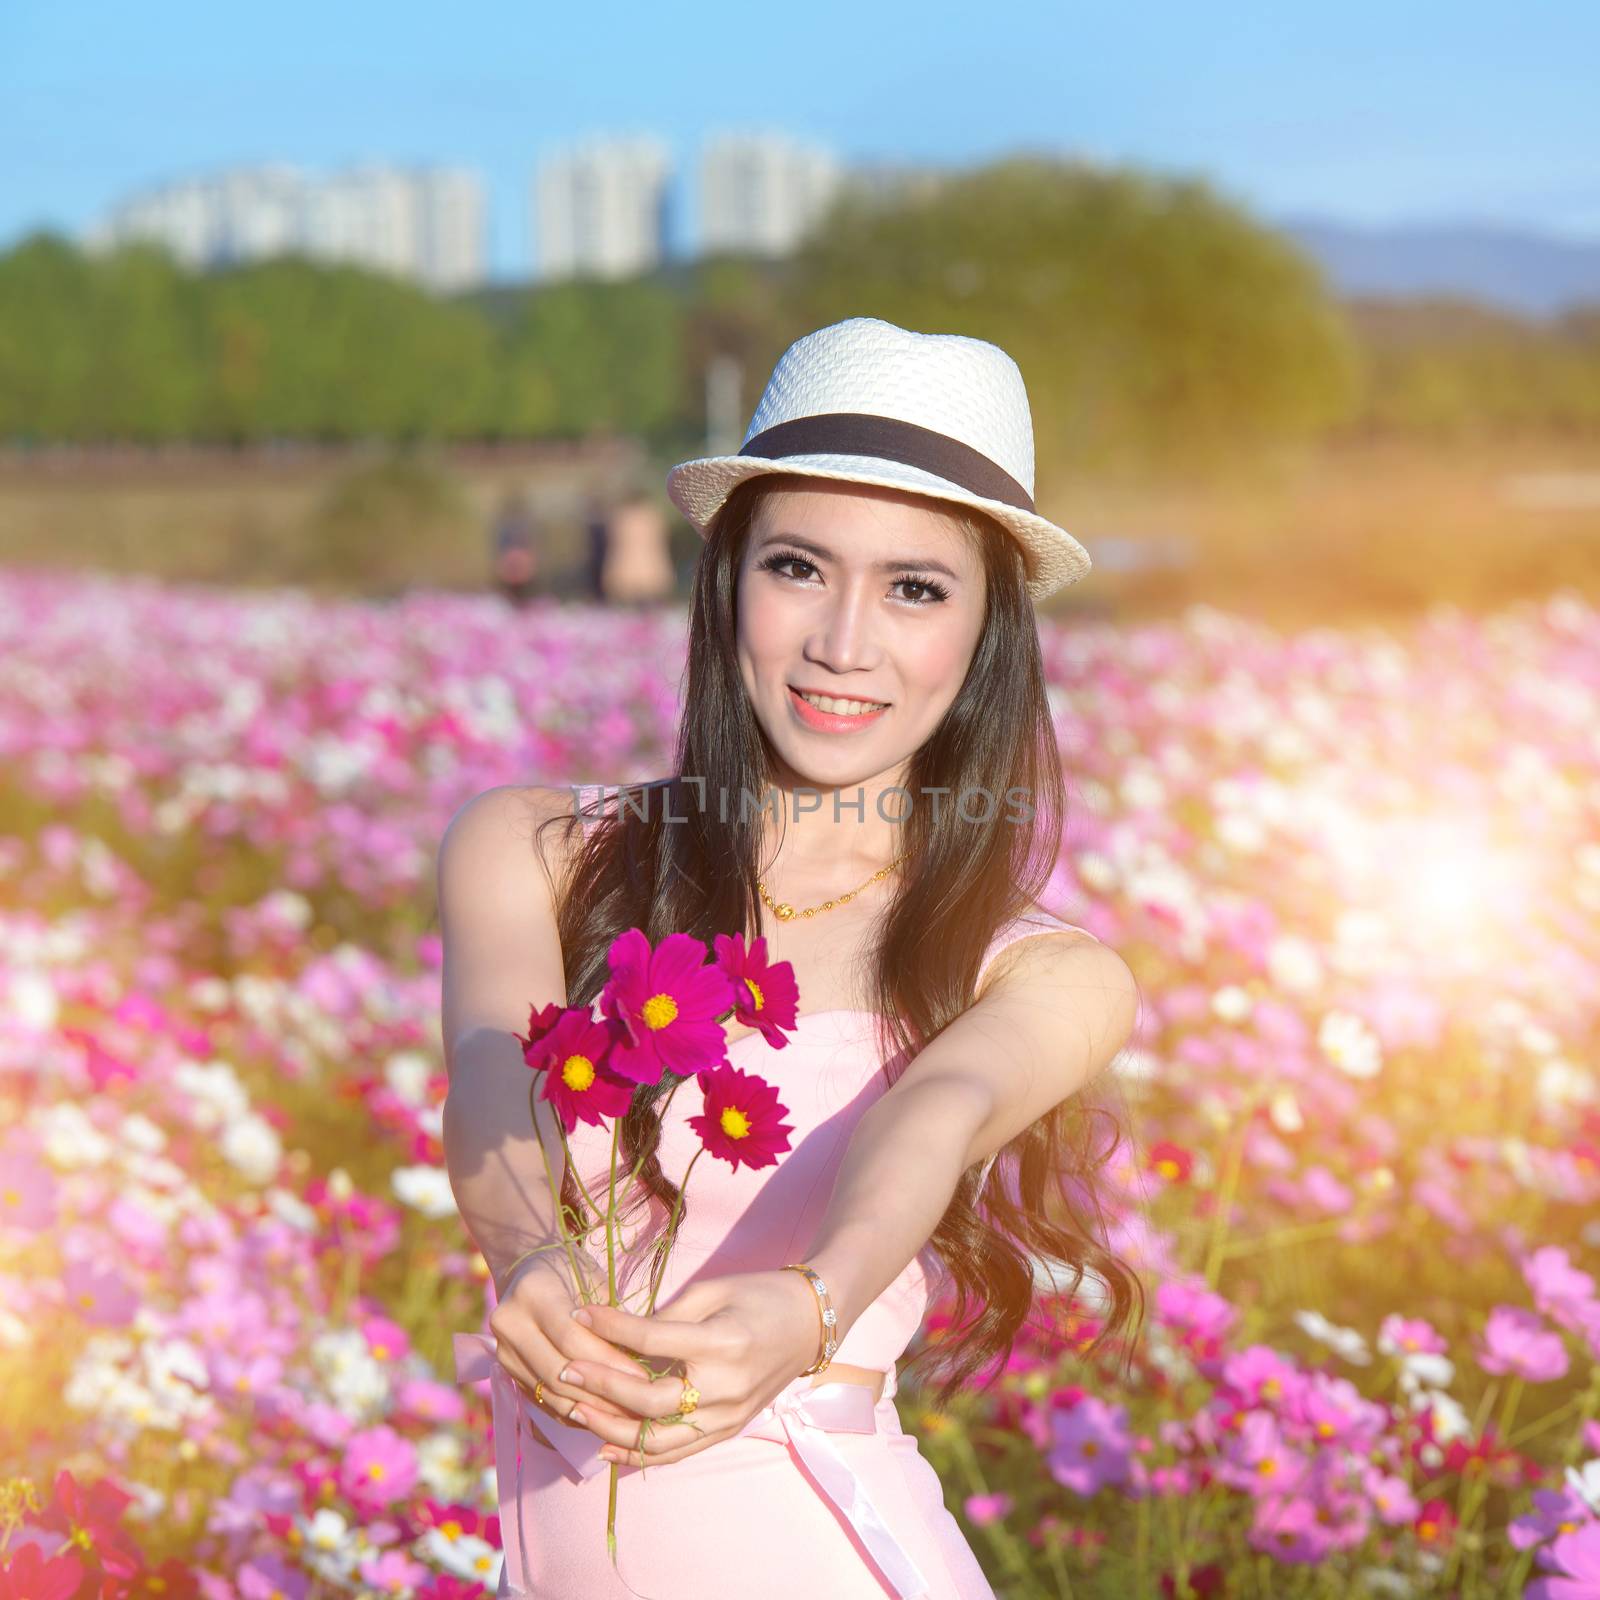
(596, 521)
(515, 556)
(637, 569)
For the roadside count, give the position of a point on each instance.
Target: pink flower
(742, 1122)
(1576, 1557)
(1410, 1336)
(32, 1575)
(574, 1056)
(386, 1339)
(100, 1295)
(393, 1572)
(667, 1002)
(764, 996)
(986, 1508)
(1554, 1511)
(379, 1467)
(1559, 1289)
(1391, 1497)
(28, 1193)
(1290, 1528)
(430, 1401)
(1517, 1341)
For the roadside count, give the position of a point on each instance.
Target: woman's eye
(931, 592)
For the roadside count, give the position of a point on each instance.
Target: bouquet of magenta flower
(661, 1011)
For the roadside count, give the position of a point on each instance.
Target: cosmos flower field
(1356, 873)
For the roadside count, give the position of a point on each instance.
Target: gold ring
(538, 1392)
(691, 1398)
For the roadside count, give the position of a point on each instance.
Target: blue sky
(1360, 111)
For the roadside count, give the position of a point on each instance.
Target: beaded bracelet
(829, 1316)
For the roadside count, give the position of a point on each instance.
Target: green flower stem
(997, 1533)
(555, 1196)
(658, 1268)
(1471, 1493)
(1229, 1187)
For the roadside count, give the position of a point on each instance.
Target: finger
(627, 1458)
(556, 1397)
(643, 1397)
(626, 1433)
(654, 1335)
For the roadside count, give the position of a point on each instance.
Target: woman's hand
(536, 1338)
(742, 1339)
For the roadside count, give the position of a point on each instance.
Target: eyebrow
(893, 564)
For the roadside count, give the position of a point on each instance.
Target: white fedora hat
(867, 401)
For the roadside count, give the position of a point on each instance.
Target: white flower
(1231, 1003)
(440, 1466)
(464, 1556)
(355, 1381)
(1419, 1369)
(251, 1146)
(210, 994)
(1293, 964)
(407, 1073)
(426, 1189)
(1449, 1419)
(1345, 1342)
(216, 1096)
(1584, 1482)
(70, 1139)
(142, 1134)
(1284, 1110)
(291, 1209)
(30, 1002)
(1350, 1045)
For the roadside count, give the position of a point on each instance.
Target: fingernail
(568, 1376)
(576, 1415)
(580, 1315)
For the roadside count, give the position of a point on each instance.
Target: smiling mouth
(838, 705)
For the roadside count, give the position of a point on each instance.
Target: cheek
(939, 662)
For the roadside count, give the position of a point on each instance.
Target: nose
(843, 641)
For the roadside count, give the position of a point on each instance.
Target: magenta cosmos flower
(572, 1055)
(1573, 1560)
(765, 995)
(667, 1003)
(742, 1123)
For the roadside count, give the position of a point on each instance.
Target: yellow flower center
(755, 990)
(1090, 1448)
(659, 1010)
(375, 1472)
(12, 1197)
(577, 1072)
(1167, 1167)
(735, 1123)
(1266, 1466)
(451, 1530)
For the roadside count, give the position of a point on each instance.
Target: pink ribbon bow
(800, 1416)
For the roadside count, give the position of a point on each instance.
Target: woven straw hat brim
(1053, 557)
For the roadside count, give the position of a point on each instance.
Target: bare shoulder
(499, 835)
(1070, 972)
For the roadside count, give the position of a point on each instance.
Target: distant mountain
(1538, 275)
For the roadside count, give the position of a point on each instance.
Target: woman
(863, 650)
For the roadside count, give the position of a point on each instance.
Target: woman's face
(857, 595)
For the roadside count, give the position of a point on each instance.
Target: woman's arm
(1056, 1012)
(502, 956)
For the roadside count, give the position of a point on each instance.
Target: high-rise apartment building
(762, 191)
(600, 208)
(427, 225)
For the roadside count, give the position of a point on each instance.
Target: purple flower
(1517, 1341)
(1576, 1557)
(1090, 1446)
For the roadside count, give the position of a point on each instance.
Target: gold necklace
(784, 912)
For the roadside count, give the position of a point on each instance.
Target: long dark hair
(963, 880)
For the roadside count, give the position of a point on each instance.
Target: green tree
(1154, 322)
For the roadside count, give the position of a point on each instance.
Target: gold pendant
(783, 911)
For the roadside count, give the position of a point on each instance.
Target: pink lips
(827, 721)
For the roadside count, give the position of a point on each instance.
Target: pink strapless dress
(822, 1496)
